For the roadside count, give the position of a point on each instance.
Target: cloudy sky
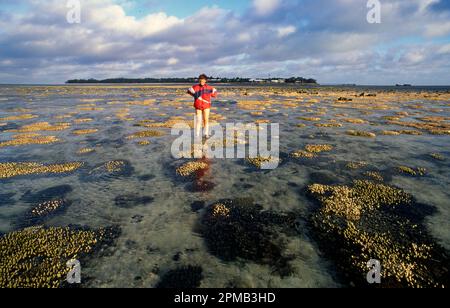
(329, 40)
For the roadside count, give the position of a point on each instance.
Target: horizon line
(318, 84)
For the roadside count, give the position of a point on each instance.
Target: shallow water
(164, 226)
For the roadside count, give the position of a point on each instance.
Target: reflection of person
(202, 94)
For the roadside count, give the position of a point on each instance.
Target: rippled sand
(106, 151)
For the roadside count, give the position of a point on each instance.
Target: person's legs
(198, 123)
(206, 121)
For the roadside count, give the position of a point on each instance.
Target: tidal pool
(99, 156)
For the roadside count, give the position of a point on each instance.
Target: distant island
(297, 80)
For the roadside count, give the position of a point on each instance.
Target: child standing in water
(202, 94)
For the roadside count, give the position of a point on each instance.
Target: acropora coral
(9, 170)
(36, 257)
(190, 168)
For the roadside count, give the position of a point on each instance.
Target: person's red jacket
(202, 96)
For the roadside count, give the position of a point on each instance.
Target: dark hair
(203, 76)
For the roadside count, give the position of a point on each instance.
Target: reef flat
(362, 174)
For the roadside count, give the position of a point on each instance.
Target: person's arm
(191, 92)
(214, 93)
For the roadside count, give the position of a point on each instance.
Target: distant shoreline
(292, 80)
(231, 84)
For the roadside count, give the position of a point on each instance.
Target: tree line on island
(298, 80)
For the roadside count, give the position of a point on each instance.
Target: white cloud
(286, 31)
(424, 4)
(265, 7)
(113, 18)
(244, 37)
(437, 29)
(414, 57)
(172, 61)
(444, 49)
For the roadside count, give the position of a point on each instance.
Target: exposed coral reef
(36, 257)
(366, 220)
(191, 167)
(9, 170)
(241, 229)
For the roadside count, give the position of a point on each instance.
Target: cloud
(285, 31)
(265, 7)
(173, 61)
(437, 29)
(413, 57)
(329, 41)
(445, 49)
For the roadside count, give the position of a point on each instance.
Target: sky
(328, 40)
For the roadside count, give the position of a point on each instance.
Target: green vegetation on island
(299, 80)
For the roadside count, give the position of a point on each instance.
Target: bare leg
(198, 123)
(206, 121)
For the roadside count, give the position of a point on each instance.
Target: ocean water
(159, 229)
